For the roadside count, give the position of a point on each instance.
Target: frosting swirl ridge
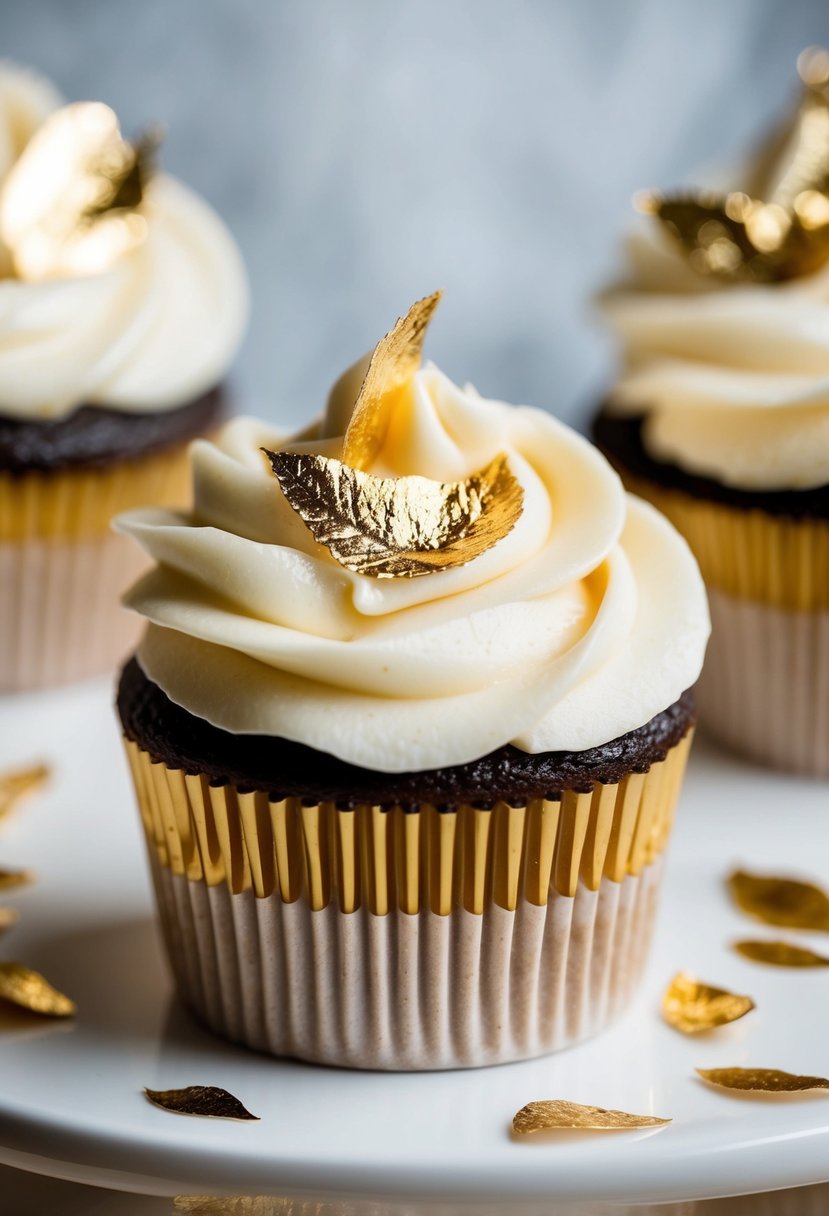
(582, 623)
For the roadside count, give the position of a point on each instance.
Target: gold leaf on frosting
(782, 234)
(399, 526)
(692, 1007)
(207, 1101)
(15, 878)
(29, 990)
(785, 902)
(71, 204)
(541, 1116)
(396, 358)
(780, 954)
(761, 1080)
(17, 783)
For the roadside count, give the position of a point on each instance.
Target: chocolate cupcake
(721, 419)
(124, 303)
(408, 725)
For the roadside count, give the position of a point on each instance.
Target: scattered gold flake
(692, 1007)
(71, 204)
(780, 901)
(17, 783)
(396, 358)
(539, 1116)
(205, 1100)
(780, 954)
(399, 526)
(28, 989)
(761, 1080)
(779, 236)
(15, 878)
(8, 917)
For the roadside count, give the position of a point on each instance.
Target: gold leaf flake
(8, 917)
(784, 233)
(780, 954)
(399, 526)
(17, 783)
(28, 989)
(15, 878)
(761, 1080)
(539, 1116)
(207, 1101)
(71, 204)
(396, 358)
(784, 902)
(692, 1007)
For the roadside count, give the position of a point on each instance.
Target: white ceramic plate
(70, 1093)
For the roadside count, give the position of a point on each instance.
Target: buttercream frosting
(154, 331)
(583, 622)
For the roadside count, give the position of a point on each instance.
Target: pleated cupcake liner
(764, 689)
(62, 572)
(374, 937)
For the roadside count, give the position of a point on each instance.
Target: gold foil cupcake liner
(79, 503)
(388, 859)
(749, 554)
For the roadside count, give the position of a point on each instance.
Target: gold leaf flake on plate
(692, 1007)
(399, 526)
(780, 954)
(30, 990)
(206, 1101)
(784, 902)
(542, 1116)
(15, 784)
(396, 358)
(71, 204)
(8, 917)
(15, 878)
(742, 237)
(762, 1080)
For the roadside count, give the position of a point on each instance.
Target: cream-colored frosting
(733, 380)
(587, 619)
(153, 332)
(26, 99)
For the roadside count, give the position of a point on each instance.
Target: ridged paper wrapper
(387, 938)
(62, 571)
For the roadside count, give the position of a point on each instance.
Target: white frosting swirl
(153, 332)
(582, 623)
(26, 99)
(733, 380)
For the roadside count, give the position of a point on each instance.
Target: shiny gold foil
(761, 1080)
(207, 1101)
(543, 1116)
(392, 527)
(751, 555)
(780, 954)
(784, 902)
(15, 878)
(16, 784)
(29, 990)
(79, 504)
(386, 859)
(692, 1007)
(395, 360)
(740, 238)
(71, 204)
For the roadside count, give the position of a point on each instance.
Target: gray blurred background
(365, 152)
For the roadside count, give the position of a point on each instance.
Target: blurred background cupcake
(408, 725)
(721, 418)
(122, 304)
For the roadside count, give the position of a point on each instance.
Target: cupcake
(408, 725)
(721, 419)
(123, 303)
